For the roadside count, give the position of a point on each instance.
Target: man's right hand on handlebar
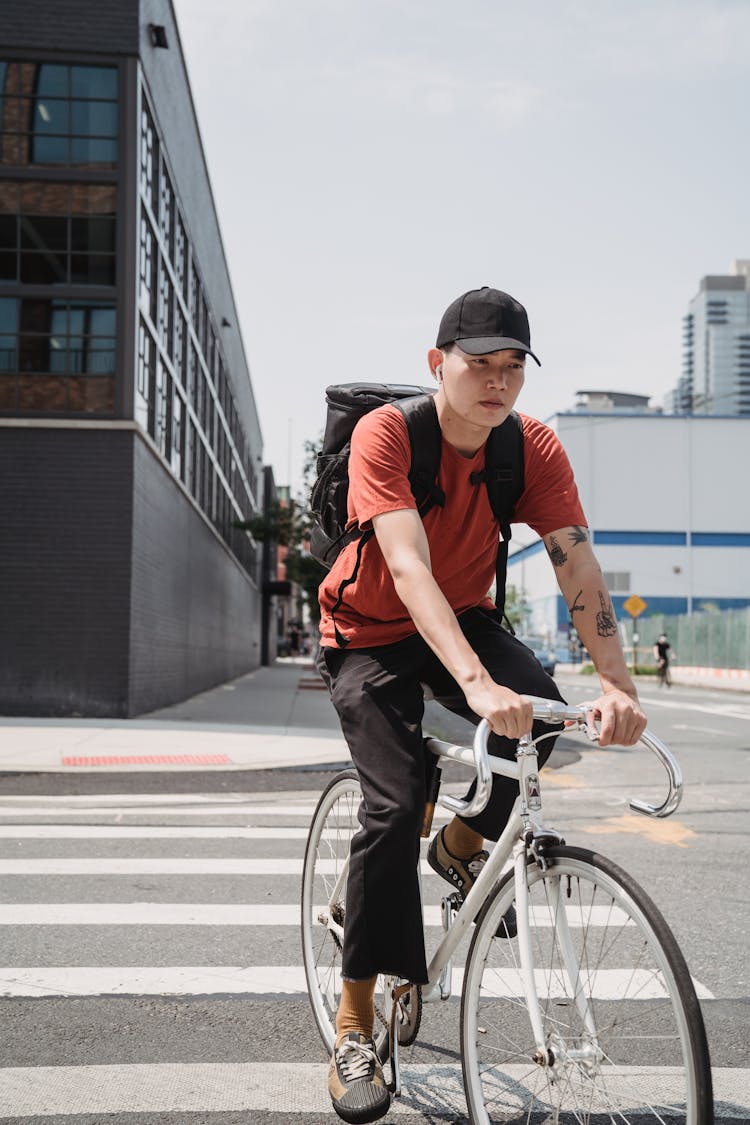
(507, 713)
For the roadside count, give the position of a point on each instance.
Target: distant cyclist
(662, 649)
(416, 611)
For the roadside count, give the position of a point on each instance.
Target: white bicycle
(587, 1014)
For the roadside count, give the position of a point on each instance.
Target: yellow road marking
(659, 831)
(562, 780)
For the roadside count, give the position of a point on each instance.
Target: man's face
(482, 390)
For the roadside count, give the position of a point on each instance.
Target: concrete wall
(195, 619)
(65, 520)
(105, 26)
(116, 595)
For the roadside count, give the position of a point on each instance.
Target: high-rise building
(129, 438)
(716, 347)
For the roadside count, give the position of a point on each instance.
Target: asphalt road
(131, 905)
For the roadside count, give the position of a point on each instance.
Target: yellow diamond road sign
(634, 605)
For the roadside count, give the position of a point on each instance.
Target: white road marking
(168, 866)
(289, 1088)
(205, 914)
(147, 832)
(289, 980)
(723, 710)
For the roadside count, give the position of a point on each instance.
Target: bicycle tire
(648, 1061)
(333, 824)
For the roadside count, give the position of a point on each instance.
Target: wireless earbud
(439, 373)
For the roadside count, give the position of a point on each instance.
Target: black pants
(378, 695)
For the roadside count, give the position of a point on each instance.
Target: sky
(371, 160)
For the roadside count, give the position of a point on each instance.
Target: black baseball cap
(486, 320)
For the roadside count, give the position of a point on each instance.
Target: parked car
(542, 652)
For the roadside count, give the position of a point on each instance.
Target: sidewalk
(276, 716)
(720, 679)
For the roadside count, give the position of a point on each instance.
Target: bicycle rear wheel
(622, 1025)
(323, 902)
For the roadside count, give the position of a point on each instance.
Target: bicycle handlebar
(553, 711)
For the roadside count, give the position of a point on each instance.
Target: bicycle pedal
(449, 908)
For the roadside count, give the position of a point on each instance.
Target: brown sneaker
(462, 874)
(355, 1081)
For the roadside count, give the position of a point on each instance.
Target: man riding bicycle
(416, 613)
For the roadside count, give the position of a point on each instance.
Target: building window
(57, 234)
(59, 114)
(146, 375)
(180, 256)
(178, 431)
(617, 581)
(166, 210)
(180, 338)
(148, 266)
(166, 311)
(58, 356)
(195, 289)
(149, 161)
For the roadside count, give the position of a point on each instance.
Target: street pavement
(150, 969)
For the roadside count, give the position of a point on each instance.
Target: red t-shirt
(462, 536)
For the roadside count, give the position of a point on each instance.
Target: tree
(515, 608)
(289, 525)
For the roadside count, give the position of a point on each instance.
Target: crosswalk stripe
(289, 1088)
(284, 980)
(219, 808)
(208, 914)
(168, 865)
(146, 832)
(59, 801)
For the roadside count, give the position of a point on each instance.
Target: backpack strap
(503, 474)
(363, 537)
(426, 441)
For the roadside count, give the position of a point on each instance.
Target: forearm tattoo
(578, 535)
(606, 626)
(577, 607)
(557, 555)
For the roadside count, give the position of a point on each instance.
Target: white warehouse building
(667, 498)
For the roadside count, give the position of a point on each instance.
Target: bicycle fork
(549, 1054)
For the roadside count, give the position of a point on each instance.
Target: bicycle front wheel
(623, 1033)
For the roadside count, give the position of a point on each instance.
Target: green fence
(718, 639)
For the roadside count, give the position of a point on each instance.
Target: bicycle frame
(524, 831)
(524, 835)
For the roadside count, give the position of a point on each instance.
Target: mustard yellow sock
(460, 840)
(356, 1008)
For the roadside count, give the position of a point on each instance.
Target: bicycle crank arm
(397, 992)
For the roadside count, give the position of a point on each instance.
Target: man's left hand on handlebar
(621, 721)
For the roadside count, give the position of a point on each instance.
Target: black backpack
(347, 403)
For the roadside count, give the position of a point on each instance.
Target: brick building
(129, 437)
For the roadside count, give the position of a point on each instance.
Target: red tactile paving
(151, 760)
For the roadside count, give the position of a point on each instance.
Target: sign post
(635, 607)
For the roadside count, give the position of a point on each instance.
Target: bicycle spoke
(619, 1043)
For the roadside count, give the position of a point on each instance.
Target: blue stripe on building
(642, 538)
(648, 539)
(720, 539)
(672, 538)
